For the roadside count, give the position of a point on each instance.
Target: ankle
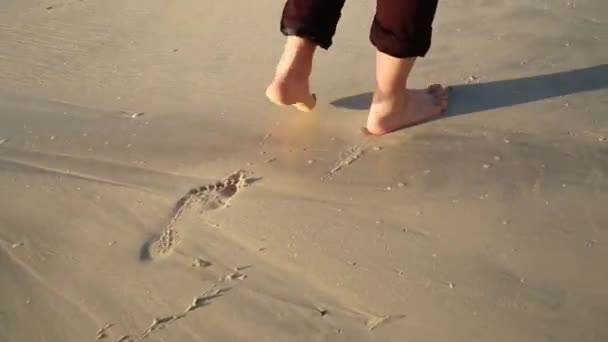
(293, 70)
(291, 73)
(389, 97)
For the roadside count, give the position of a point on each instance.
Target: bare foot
(284, 91)
(411, 107)
(291, 82)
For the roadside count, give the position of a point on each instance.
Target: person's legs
(307, 24)
(401, 31)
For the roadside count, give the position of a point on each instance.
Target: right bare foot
(291, 82)
(389, 113)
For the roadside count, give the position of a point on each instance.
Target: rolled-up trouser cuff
(403, 45)
(309, 32)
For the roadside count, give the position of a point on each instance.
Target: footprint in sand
(206, 198)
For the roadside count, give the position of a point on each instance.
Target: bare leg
(394, 106)
(291, 81)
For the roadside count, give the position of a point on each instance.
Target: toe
(443, 104)
(440, 95)
(435, 89)
(448, 91)
(307, 106)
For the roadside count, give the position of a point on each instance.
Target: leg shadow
(472, 98)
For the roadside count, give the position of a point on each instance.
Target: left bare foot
(291, 82)
(287, 92)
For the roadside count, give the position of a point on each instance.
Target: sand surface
(149, 192)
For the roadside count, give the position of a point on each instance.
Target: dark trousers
(401, 28)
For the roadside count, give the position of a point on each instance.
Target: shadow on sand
(472, 98)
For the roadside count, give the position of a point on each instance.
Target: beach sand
(149, 191)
